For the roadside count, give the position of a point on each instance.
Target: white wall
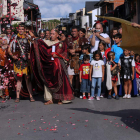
(18, 11)
(84, 20)
(95, 12)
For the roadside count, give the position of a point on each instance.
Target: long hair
(103, 43)
(97, 52)
(110, 54)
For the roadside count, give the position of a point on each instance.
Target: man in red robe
(49, 68)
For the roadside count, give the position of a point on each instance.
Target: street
(80, 120)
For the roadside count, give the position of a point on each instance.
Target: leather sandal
(17, 100)
(48, 103)
(32, 99)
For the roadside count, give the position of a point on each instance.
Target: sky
(59, 8)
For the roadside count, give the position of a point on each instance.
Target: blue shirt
(118, 52)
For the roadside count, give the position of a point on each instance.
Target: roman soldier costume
(126, 68)
(75, 43)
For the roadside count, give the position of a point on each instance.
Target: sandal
(32, 99)
(48, 103)
(17, 100)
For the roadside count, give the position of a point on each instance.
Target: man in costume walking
(19, 51)
(48, 64)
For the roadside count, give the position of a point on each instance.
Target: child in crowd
(84, 76)
(96, 74)
(101, 48)
(116, 48)
(127, 64)
(112, 75)
(85, 51)
(137, 63)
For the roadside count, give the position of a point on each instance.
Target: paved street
(81, 120)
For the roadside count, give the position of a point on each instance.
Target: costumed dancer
(112, 75)
(74, 44)
(48, 64)
(19, 51)
(127, 65)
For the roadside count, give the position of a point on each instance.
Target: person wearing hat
(42, 34)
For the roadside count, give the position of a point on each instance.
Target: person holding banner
(48, 59)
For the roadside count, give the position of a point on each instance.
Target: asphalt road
(80, 120)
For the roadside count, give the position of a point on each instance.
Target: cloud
(59, 8)
(56, 11)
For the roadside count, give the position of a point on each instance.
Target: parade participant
(47, 36)
(97, 36)
(135, 25)
(48, 64)
(96, 74)
(112, 75)
(84, 76)
(19, 51)
(116, 48)
(10, 36)
(74, 48)
(4, 71)
(42, 34)
(63, 35)
(127, 64)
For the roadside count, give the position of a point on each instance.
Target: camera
(95, 31)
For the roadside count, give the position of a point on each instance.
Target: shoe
(98, 98)
(113, 95)
(125, 96)
(109, 97)
(117, 97)
(88, 97)
(128, 96)
(84, 97)
(101, 96)
(81, 97)
(91, 98)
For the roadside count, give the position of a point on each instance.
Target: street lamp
(14, 5)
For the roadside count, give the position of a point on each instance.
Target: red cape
(52, 73)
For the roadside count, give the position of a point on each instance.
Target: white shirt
(97, 68)
(132, 62)
(97, 40)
